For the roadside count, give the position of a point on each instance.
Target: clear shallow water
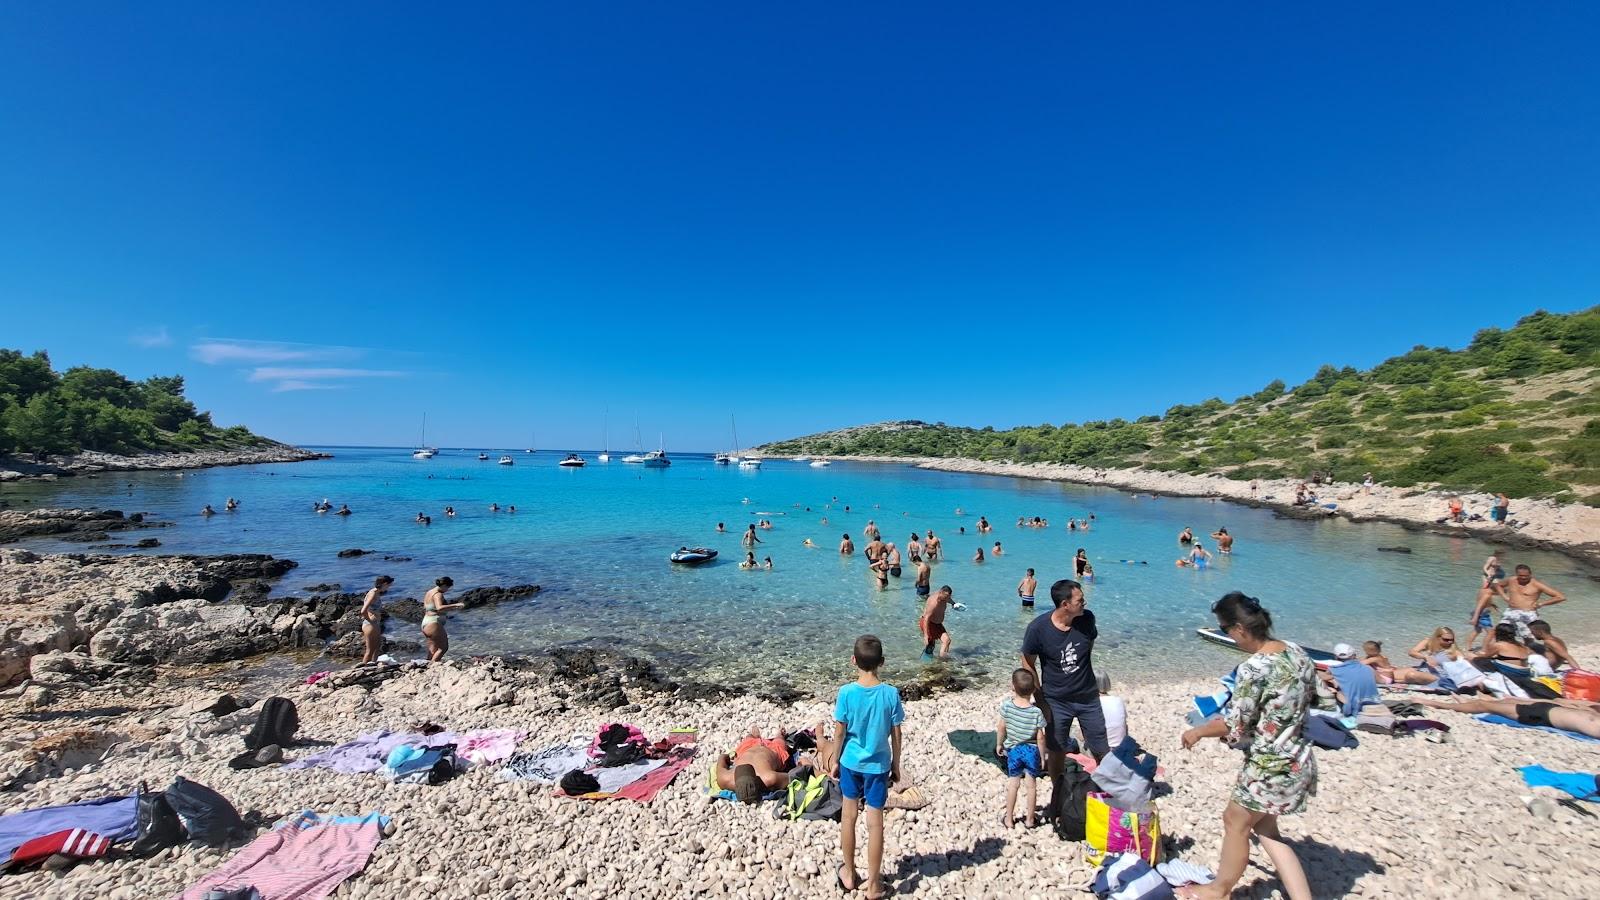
(597, 539)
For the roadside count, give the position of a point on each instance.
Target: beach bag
(1111, 830)
(159, 826)
(207, 816)
(275, 724)
(813, 796)
(1127, 775)
(1124, 876)
(1069, 802)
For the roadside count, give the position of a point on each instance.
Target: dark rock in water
(1394, 549)
(351, 646)
(240, 566)
(321, 588)
(782, 694)
(85, 537)
(397, 558)
(406, 609)
(939, 681)
(147, 543)
(354, 552)
(486, 596)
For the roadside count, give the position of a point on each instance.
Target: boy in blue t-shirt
(868, 714)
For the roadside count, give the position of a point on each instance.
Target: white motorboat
(573, 461)
(633, 458)
(802, 459)
(657, 458)
(820, 464)
(507, 461)
(723, 459)
(422, 453)
(750, 462)
(483, 457)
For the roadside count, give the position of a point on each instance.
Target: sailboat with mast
(638, 442)
(605, 438)
(423, 451)
(745, 462)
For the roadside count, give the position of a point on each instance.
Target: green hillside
(83, 408)
(1517, 410)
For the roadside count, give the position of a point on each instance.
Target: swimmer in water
(997, 551)
(750, 539)
(449, 512)
(983, 525)
(880, 570)
(1026, 589)
(344, 510)
(208, 511)
(721, 528)
(231, 505)
(846, 546)
(1186, 536)
(871, 531)
(494, 507)
(1224, 540)
(749, 560)
(1080, 562)
(914, 549)
(767, 564)
(978, 557)
(808, 542)
(933, 547)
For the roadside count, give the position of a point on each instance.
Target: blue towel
(1358, 683)
(1493, 719)
(116, 818)
(1579, 784)
(1207, 706)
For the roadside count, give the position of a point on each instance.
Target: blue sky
(512, 218)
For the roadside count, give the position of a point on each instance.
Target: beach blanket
(488, 745)
(546, 766)
(645, 789)
(306, 818)
(1493, 719)
(369, 752)
(115, 818)
(294, 863)
(1581, 785)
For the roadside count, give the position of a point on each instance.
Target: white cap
(1344, 651)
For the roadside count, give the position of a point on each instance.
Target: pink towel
(294, 865)
(645, 789)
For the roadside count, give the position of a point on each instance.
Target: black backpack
(1069, 802)
(275, 724)
(207, 816)
(159, 826)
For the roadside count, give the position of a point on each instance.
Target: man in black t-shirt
(1063, 642)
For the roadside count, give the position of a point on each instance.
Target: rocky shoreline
(90, 462)
(1572, 529)
(106, 732)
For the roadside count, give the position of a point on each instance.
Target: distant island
(87, 419)
(1516, 411)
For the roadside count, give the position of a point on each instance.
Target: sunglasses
(1447, 640)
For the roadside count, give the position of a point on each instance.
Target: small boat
(603, 456)
(605, 438)
(820, 464)
(750, 462)
(573, 461)
(1217, 637)
(423, 451)
(507, 461)
(723, 459)
(693, 556)
(483, 457)
(633, 458)
(655, 459)
(802, 459)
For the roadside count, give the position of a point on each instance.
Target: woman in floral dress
(1274, 689)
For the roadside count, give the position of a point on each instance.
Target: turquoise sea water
(597, 539)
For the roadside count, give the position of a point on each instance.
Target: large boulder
(186, 632)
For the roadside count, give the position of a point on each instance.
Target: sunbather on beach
(761, 765)
(1505, 649)
(1555, 649)
(1387, 672)
(1569, 715)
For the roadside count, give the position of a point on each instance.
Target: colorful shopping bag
(1113, 830)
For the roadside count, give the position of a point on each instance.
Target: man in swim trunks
(1026, 588)
(874, 549)
(750, 539)
(1523, 593)
(1580, 716)
(846, 546)
(871, 531)
(933, 546)
(1224, 540)
(932, 623)
(892, 554)
(924, 573)
(760, 765)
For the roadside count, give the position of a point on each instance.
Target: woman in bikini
(1387, 672)
(372, 619)
(433, 609)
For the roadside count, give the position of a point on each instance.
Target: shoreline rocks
(87, 525)
(90, 462)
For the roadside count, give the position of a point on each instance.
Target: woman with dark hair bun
(433, 610)
(1274, 689)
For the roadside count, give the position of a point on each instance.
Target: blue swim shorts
(1023, 759)
(1484, 622)
(869, 786)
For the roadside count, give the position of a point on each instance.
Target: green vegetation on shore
(83, 408)
(1517, 410)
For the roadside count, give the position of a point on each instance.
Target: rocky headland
(89, 462)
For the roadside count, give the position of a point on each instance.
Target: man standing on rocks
(1062, 641)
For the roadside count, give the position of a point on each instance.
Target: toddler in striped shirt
(1019, 742)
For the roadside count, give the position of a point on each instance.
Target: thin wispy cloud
(288, 378)
(298, 385)
(216, 351)
(151, 338)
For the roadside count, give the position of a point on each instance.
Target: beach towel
(115, 818)
(1124, 876)
(645, 789)
(294, 864)
(1581, 785)
(546, 766)
(369, 752)
(74, 842)
(611, 779)
(1207, 706)
(306, 818)
(1493, 719)
(488, 745)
